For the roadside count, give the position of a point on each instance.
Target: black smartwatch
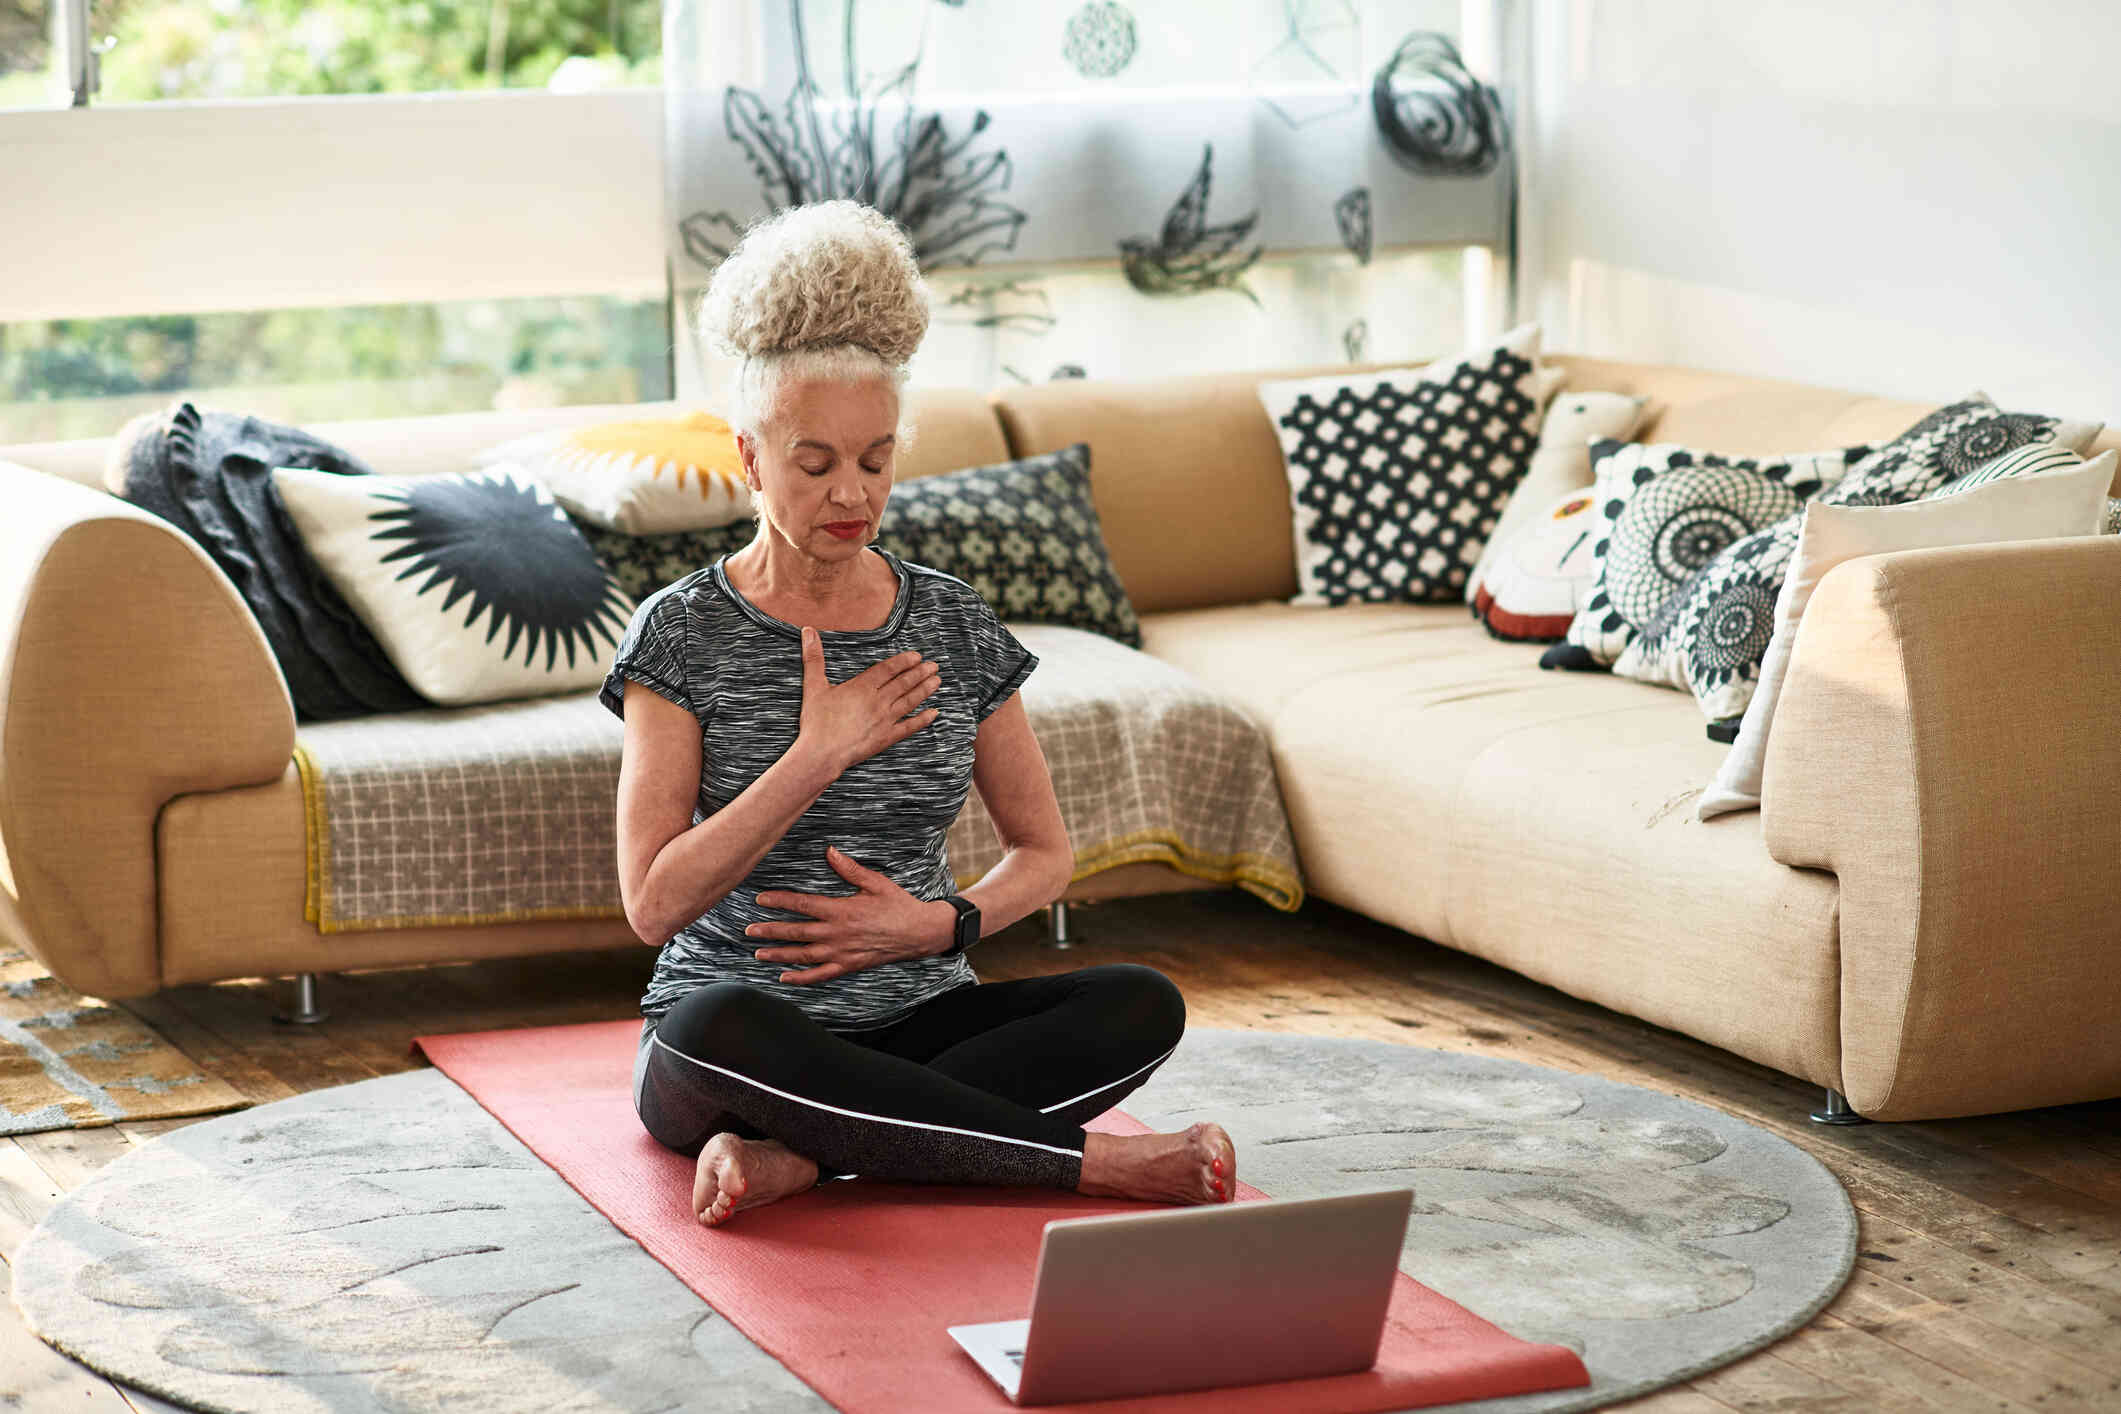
(967, 931)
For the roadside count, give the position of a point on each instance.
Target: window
(68, 378)
(282, 206)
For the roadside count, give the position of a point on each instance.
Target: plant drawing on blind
(874, 146)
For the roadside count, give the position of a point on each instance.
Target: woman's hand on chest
(849, 722)
(879, 923)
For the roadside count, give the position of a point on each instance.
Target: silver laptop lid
(1197, 1298)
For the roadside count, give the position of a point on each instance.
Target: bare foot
(1198, 1166)
(735, 1173)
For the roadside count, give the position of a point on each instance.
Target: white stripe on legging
(1121, 1081)
(857, 1114)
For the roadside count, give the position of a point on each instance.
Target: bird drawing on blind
(1190, 256)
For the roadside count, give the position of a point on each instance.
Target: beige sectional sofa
(1920, 917)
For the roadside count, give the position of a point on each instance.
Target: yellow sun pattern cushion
(645, 476)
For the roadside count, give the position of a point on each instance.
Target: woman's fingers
(907, 726)
(787, 932)
(914, 694)
(813, 661)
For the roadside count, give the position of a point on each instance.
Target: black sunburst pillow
(477, 585)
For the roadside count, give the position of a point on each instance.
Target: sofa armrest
(1947, 743)
(130, 672)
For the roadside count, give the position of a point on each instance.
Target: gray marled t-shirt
(739, 671)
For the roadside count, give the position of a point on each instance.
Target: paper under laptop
(1201, 1298)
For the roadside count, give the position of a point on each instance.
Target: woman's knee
(1150, 1002)
(726, 1023)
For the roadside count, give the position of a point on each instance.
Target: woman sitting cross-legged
(803, 720)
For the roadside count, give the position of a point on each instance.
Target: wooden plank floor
(1990, 1274)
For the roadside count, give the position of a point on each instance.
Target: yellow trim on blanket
(471, 920)
(1257, 874)
(313, 836)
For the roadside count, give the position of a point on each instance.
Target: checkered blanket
(504, 812)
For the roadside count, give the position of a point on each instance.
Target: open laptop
(1201, 1298)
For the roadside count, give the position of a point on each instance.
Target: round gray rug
(389, 1246)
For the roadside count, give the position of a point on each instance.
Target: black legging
(987, 1083)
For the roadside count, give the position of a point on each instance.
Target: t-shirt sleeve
(1000, 661)
(653, 653)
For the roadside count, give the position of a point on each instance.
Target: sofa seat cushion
(1436, 780)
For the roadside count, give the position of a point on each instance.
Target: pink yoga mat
(851, 1285)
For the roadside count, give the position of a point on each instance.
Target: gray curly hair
(830, 290)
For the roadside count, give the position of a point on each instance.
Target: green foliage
(172, 49)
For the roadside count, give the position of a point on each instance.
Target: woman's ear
(747, 450)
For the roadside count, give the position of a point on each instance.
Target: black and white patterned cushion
(477, 585)
(1711, 637)
(1397, 479)
(1666, 511)
(1950, 443)
(2033, 459)
(1024, 534)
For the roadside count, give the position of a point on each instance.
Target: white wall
(1912, 198)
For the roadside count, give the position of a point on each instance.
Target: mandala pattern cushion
(1397, 479)
(1665, 511)
(644, 476)
(2070, 501)
(1540, 576)
(1561, 464)
(1025, 534)
(1949, 443)
(1714, 636)
(439, 566)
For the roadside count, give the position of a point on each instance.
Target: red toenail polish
(1217, 1166)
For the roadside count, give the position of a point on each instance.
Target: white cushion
(643, 476)
(477, 585)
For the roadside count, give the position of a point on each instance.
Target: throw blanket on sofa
(504, 812)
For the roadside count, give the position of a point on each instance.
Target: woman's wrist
(939, 928)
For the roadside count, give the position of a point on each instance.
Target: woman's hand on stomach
(880, 923)
(854, 720)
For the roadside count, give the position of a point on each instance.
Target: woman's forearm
(1027, 879)
(693, 872)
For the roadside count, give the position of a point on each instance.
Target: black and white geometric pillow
(439, 566)
(1398, 478)
(1947, 444)
(1024, 534)
(1665, 512)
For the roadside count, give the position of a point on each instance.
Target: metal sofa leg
(305, 1011)
(1837, 1111)
(1057, 925)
